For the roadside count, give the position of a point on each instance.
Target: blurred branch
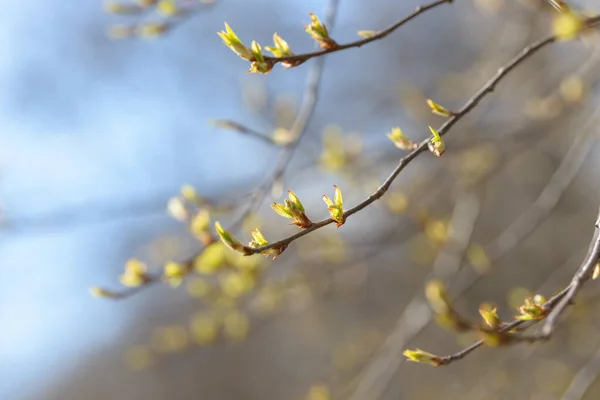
(170, 14)
(507, 328)
(102, 212)
(298, 130)
(237, 127)
(541, 208)
(583, 379)
(417, 313)
(534, 215)
(381, 369)
(579, 279)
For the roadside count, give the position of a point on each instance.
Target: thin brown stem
(513, 325)
(382, 368)
(377, 36)
(583, 275)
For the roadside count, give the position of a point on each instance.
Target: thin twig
(526, 223)
(550, 304)
(417, 313)
(237, 127)
(582, 276)
(480, 389)
(541, 208)
(378, 35)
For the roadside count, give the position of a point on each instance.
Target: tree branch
(423, 146)
(378, 35)
(533, 215)
(382, 367)
(580, 278)
(556, 304)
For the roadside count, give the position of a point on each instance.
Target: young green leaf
(282, 49)
(366, 34)
(293, 209)
(168, 8)
(567, 25)
(438, 109)
(336, 207)
(135, 273)
(421, 356)
(174, 273)
(436, 144)
(229, 240)
(318, 31)
(435, 291)
(533, 309)
(232, 41)
(490, 315)
(259, 64)
(177, 209)
(400, 140)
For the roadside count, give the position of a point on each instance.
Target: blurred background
(98, 134)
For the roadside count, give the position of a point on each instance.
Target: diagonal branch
(423, 146)
(527, 222)
(533, 215)
(381, 369)
(580, 278)
(378, 35)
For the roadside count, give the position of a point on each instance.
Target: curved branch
(556, 304)
(378, 35)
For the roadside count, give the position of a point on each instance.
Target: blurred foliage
(238, 291)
